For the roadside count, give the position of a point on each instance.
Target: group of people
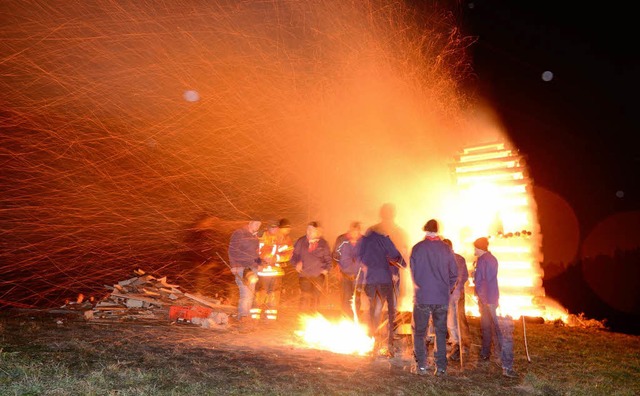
(370, 263)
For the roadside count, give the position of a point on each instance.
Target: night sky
(578, 129)
(578, 132)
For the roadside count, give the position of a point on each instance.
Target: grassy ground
(48, 354)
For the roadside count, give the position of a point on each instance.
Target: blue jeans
(490, 329)
(506, 328)
(246, 290)
(421, 314)
(378, 294)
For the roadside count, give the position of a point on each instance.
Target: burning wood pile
(146, 297)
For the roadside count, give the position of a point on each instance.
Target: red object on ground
(188, 313)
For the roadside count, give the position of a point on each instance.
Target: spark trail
(123, 121)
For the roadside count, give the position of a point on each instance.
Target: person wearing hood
(378, 255)
(312, 258)
(495, 330)
(435, 273)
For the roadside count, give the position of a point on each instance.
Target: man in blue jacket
(345, 253)
(312, 259)
(434, 272)
(498, 330)
(377, 253)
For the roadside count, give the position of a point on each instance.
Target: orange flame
(344, 337)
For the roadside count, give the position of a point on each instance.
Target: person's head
(272, 227)
(387, 213)
(481, 246)
(431, 226)
(284, 225)
(355, 230)
(448, 243)
(313, 230)
(254, 226)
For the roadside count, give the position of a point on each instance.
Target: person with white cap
(312, 259)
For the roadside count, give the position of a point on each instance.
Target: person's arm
(453, 271)
(337, 248)
(326, 256)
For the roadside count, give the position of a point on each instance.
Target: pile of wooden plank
(147, 297)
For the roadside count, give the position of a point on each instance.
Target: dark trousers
(310, 291)
(421, 315)
(378, 294)
(349, 287)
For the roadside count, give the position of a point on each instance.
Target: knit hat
(283, 223)
(431, 226)
(481, 243)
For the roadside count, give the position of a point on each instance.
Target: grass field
(53, 354)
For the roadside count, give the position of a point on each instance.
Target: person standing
(312, 257)
(494, 330)
(284, 241)
(245, 262)
(434, 272)
(269, 277)
(458, 336)
(377, 253)
(345, 253)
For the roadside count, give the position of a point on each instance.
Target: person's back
(375, 252)
(434, 273)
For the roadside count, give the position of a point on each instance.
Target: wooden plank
(139, 298)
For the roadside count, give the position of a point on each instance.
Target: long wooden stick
(526, 347)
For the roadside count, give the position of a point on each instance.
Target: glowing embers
(344, 336)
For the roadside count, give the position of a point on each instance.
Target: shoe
(440, 372)
(510, 373)
(420, 370)
(484, 357)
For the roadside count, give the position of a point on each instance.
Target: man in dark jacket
(312, 259)
(434, 272)
(376, 253)
(345, 253)
(245, 262)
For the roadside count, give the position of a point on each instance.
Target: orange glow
(506, 213)
(345, 336)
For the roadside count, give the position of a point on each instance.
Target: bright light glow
(344, 336)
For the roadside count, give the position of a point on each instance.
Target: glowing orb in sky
(191, 96)
(547, 76)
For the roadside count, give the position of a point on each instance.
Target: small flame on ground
(344, 336)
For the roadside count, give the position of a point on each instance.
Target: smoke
(123, 121)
